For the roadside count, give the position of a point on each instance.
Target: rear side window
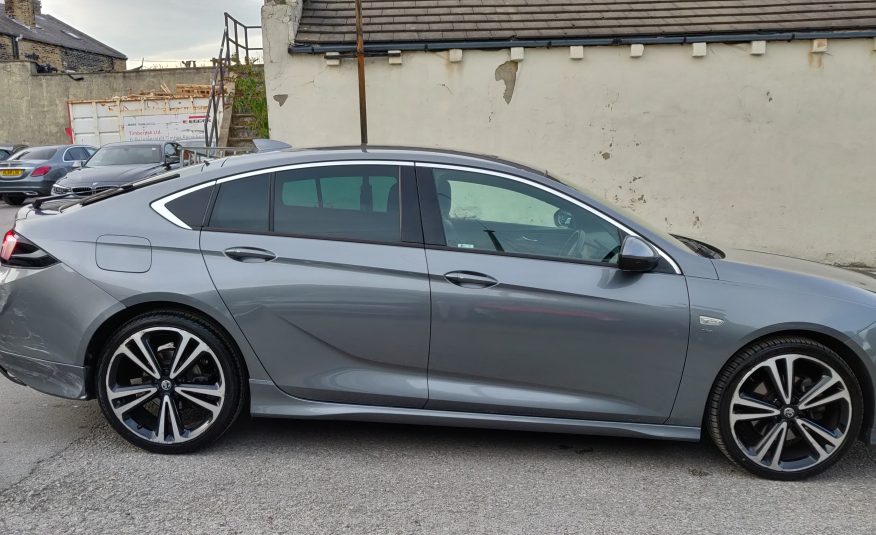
(191, 208)
(354, 202)
(242, 204)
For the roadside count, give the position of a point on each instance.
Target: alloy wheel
(790, 413)
(165, 384)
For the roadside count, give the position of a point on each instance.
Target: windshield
(36, 155)
(126, 155)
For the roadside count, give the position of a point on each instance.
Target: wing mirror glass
(636, 255)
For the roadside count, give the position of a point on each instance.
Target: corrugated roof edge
(381, 47)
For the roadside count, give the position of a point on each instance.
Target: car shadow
(378, 440)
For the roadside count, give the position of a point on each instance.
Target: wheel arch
(840, 345)
(113, 322)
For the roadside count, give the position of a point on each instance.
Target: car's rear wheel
(785, 408)
(169, 383)
(14, 199)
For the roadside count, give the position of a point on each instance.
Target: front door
(530, 314)
(331, 294)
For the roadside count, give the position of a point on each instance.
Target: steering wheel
(577, 243)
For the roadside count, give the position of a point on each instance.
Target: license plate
(10, 172)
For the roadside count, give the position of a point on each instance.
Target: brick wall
(6, 48)
(52, 58)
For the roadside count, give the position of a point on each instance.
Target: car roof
(379, 152)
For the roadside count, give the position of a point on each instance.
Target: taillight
(42, 170)
(9, 242)
(19, 252)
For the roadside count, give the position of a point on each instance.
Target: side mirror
(78, 164)
(171, 160)
(637, 256)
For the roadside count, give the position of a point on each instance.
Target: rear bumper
(31, 188)
(63, 380)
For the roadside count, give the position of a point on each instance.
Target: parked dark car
(428, 287)
(31, 172)
(8, 149)
(116, 164)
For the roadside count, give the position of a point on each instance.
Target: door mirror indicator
(637, 256)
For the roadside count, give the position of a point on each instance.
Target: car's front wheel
(786, 408)
(14, 199)
(169, 383)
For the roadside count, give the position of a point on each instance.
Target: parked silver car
(433, 288)
(32, 172)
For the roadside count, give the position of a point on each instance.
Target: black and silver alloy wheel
(168, 383)
(786, 408)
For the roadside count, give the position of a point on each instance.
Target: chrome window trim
(559, 194)
(160, 205)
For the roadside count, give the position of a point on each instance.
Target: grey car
(116, 164)
(32, 172)
(429, 287)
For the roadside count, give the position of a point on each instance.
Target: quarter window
(355, 202)
(488, 213)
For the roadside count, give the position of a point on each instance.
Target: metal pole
(360, 59)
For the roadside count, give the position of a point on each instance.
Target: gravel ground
(63, 470)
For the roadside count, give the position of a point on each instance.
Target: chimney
(24, 11)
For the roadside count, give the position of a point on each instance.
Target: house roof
(52, 31)
(325, 22)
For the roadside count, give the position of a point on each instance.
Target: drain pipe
(360, 59)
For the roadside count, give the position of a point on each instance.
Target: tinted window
(242, 204)
(191, 208)
(4, 154)
(76, 153)
(36, 154)
(357, 202)
(485, 212)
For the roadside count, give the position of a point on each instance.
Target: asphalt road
(63, 470)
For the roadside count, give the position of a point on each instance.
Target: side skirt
(266, 400)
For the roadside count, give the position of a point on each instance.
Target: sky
(163, 32)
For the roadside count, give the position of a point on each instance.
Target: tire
(14, 199)
(779, 433)
(177, 402)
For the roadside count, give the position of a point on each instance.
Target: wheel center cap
(166, 385)
(789, 412)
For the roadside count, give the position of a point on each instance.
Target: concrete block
(758, 48)
(455, 55)
(700, 50)
(819, 46)
(576, 52)
(517, 53)
(637, 50)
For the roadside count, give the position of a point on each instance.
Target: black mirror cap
(637, 256)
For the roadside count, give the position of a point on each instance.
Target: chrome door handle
(249, 254)
(470, 279)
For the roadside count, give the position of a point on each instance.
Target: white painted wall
(772, 152)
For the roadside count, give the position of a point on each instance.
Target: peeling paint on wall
(281, 99)
(507, 72)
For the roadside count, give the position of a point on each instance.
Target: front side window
(489, 213)
(242, 204)
(354, 202)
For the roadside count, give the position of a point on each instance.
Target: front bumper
(63, 380)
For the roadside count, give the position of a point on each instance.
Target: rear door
(324, 270)
(530, 313)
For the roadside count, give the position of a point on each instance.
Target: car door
(530, 313)
(329, 287)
